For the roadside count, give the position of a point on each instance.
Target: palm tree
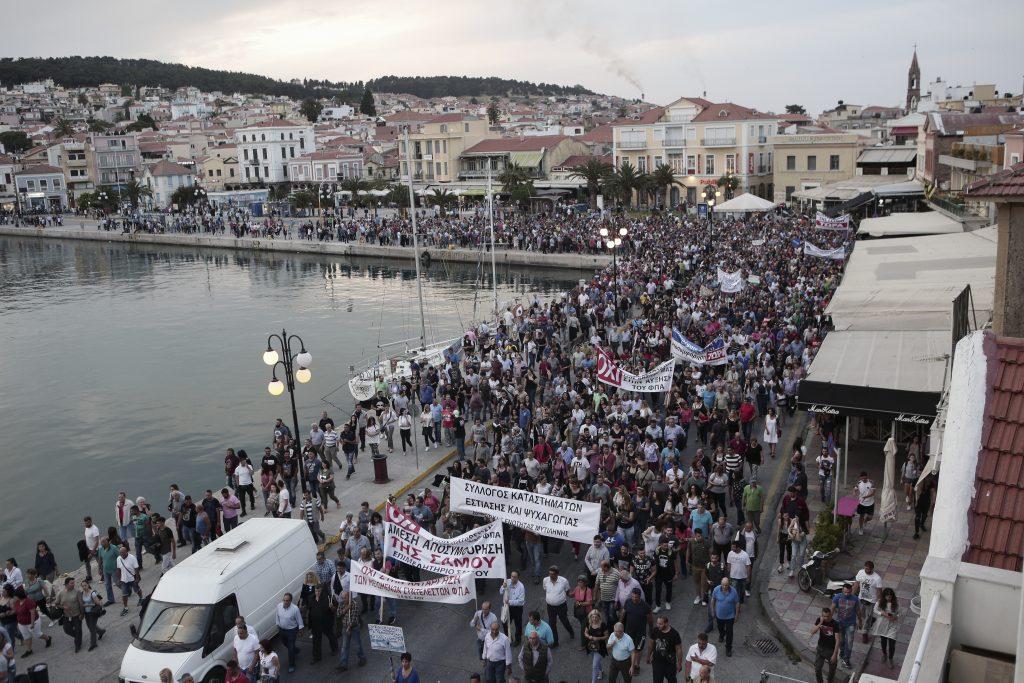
(728, 183)
(443, 197)
(625, 180)
(133, 191)
(62, 128)
(303, 199)
(594, 172)
(513, 176)
(664, 177)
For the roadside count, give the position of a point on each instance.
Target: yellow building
(439, 144)
(701, 141)
(811, 156)
(219, 168)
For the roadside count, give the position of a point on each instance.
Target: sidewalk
(897, 556)
(103, 664)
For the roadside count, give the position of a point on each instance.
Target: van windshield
(168, 627)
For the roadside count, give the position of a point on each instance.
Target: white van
(189, 623)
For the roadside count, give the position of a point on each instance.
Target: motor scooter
(812, 573)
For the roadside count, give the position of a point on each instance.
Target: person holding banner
(514, 593)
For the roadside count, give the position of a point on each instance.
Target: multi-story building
(219, 168)
(116, 157)
(536, 154)
(944, 129)
(163, 178)
(811, 156)
(41, 188)
(326, 165)
(8, 192)
(439, 144)
(267, 147)
(1013, 148)
(75, 157)
(701, 141)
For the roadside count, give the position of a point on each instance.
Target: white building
(41, 188)
(329, 164)
(338, 113)
(163, 178)
(267, 147)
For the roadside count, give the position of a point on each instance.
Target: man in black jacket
(321, 621)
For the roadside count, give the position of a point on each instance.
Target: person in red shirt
(747, 414)
(27, 616)
(235, 674)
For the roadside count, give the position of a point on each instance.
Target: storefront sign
(914, 419)
(822, 409)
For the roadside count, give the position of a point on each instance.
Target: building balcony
(972, 165)
(674, 142)
(718, 142)
(632, 144)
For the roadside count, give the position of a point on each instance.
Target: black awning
(858, 201)
(918, 407)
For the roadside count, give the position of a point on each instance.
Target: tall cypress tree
(366, 106)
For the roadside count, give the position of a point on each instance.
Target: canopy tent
(909, 283)
(744, 203)
(906, 224)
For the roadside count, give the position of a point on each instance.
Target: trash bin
(380, 470)
(38, 673)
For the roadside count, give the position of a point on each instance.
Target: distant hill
(76, 72)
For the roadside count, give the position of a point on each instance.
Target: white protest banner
(823, 222)
(730, 282)
(838, 254)
(479, 551)
(655, 380)
(685, 350)
(566, 518)
(452, 590)
(754, 279)
(387, 638)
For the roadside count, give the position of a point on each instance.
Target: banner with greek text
(730, 282)
(451, 590)
(823, 222)
(656, 380)
(838, 254)
(566, 518)
(715, 353)
(478, 551)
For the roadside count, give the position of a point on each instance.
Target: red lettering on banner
(607, 372)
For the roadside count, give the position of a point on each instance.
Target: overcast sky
(764, 55)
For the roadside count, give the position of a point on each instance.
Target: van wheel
(216, 675)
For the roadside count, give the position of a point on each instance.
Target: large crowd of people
(676, 474)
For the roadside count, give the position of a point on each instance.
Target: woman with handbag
(798, 539)
(270, 665)
(583, 605)
(93, 604)
(596, 635)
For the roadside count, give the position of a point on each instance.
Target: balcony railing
(761, 139)
(632, 144)
(675, 142)
(718, 142)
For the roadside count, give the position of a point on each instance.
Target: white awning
(901, 361)
(745, 203)
(909, 283)
(906, 224)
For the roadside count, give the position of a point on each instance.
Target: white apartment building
(330, 164)
(267, 148)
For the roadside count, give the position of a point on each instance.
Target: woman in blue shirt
(407, 674)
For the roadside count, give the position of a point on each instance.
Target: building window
(812, 162)
(465, 128)
(430, 146)
(641, 164)
(790, 162)
(302, 143)
(833, 162)
(657, 161)
(264, 152)
(246, 172)
(291, 152)
(691, 164)
(263, 137)
(709, 164)
(444, 127)
(730, 163)
(231, 172)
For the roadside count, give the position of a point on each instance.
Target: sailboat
(381, 371)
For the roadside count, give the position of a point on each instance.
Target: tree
(593, 172)
(83, 100)
(141, 123)
(729, 183)
(62, 128)
(15, 141)
(280, 191)
(493, 114)
(186, 195)
(366, 105)
(311, 109)
(512, 177)
(664, 177)
(796, 109)
(133, 192)
(442, 197)
(126, 90)
(521, 194)
(98, 126)
(303, 199)
(624, 181)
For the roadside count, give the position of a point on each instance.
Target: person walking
(289, 623)
(130, 572)
(725, 606)
(481, 622)
(596, 636)
(753, 503)
(864, 489)
(740, 567)
(405, 673)
(30, 624)
(535, 659)
(845, 608)
(582, 606)
(514, 592)
(270, 665)
(698, 554)
(701, 654)
(93, 610)
(496, 654)
(887, 623)
(556, 591)
(623, 653)
(247, 650)
(665, 652)
(827, 649)
(70, 603)
(772, 432)
(320, 617)
(92, 543)
(797, 532)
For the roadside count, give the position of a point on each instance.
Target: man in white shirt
(289, 623)
(739, 568)
(515, 597)
(868, 585)
(247, 648)
(128, 567)
(865, 492)
(580, 467)
(596, 554)
(701, 654)
(556, 590)
(92, 544)
(496, 654)
(481, 622)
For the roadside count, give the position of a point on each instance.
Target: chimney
(1006, 190)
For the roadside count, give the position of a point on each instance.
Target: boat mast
(490, 220)
(415, 242)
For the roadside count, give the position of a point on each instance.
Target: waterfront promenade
(87, 229)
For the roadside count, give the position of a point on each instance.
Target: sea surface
(129, 367)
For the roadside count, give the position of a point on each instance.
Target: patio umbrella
(888, 510)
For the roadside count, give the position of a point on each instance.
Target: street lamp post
(613, 245)
(711, 193)
(287, 360)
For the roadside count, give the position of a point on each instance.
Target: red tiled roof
(1005, 183)
(446, 118)
(996, 516)
(733, 112)
(580, 159)
(167, 168)
(601, 134)
(529, 143)
(39, 169)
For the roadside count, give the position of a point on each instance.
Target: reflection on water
(129, 367)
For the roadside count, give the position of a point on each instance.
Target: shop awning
(895, 375)
(526, 159)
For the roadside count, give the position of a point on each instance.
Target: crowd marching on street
(684, 513)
